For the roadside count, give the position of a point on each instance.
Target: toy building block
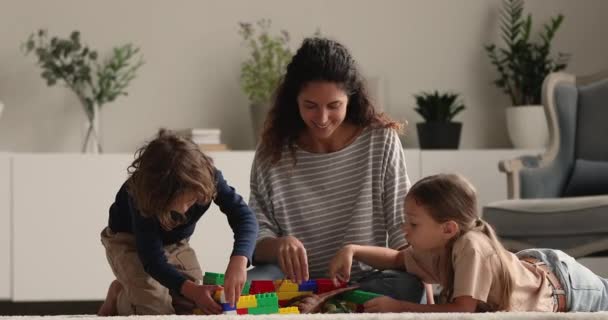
(261, 286)
(246, 288)
(359, 296)
(246, 302)
(325, 285)
(219, 296)
(309, 285)
(226, 307)
(286, 285)
(289, 310)
(268, 303)
(290, 295)
(213, 278)
(242, 311)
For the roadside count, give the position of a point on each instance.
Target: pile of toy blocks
(271, 297)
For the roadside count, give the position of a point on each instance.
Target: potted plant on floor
(75, 65)
(438, 110)
(522, 66)
(262, 71)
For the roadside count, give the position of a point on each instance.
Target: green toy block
(213, 278)
(246, 288)
(359, 296)
(267, 299)
(268, 303)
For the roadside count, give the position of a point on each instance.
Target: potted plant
(438, 110)
(262, 71)
(75, 65)
(522, 66)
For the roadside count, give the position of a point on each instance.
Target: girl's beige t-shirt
(476, 269)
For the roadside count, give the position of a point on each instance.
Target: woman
(329, 171)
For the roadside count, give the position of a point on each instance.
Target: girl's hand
(202, 295)
(340, 265)
(236, 275)
(385, 304)
(293, 259)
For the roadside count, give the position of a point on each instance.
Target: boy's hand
(202, 295)
(234, 280)
(293, 259)
(384, 304)
(340, 265)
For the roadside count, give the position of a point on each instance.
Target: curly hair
(165, 168)
(325, 60)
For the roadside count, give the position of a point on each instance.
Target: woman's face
(322, 106)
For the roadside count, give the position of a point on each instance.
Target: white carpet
(365, 316)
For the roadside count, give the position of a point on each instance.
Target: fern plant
(523, 64)
(262, 71)
(438, 107)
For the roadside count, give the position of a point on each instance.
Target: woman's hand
(202, 296)
(234, 280)
(340, 265)
(292, 259)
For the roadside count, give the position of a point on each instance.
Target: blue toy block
(309, 285)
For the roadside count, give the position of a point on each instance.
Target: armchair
(560, 199)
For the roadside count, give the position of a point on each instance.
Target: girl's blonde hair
(450, 197)
(165, 168)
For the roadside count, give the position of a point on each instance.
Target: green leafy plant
(70, 62)
(523, 64)
(438, 107)
(262, 71)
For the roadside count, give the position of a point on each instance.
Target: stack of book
(206, 139)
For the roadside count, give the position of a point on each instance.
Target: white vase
(527, 127)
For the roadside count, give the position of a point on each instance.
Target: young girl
(171, 185)
(451, 246)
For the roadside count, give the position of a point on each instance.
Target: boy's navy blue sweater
(150, 237)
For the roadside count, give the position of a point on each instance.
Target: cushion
(576, 225)
(588, 178)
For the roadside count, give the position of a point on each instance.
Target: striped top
(354, 195)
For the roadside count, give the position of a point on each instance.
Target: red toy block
(242, 311)
(325, 285)
(261, 286)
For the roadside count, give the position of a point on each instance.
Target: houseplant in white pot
(438, 110)
(75, 65)
(262, 71)
(522, 66)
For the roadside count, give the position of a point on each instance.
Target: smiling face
(322, 106)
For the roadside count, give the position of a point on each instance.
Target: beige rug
(365, 316)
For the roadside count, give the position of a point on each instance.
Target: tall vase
(92, 138)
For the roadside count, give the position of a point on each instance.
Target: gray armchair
(560, 199)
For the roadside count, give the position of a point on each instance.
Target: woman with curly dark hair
(329, 171)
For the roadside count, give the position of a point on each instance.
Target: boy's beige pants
(141, 294)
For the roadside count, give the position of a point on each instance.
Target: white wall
(193, 52)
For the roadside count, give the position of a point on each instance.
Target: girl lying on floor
(451, 246)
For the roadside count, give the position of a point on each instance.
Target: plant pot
(439, 135)
(527, 127)
(258, 116)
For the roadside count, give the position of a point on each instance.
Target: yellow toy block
(289, 310)
(291, 295)
(286, 286)
(246, 302)
(219, 296)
